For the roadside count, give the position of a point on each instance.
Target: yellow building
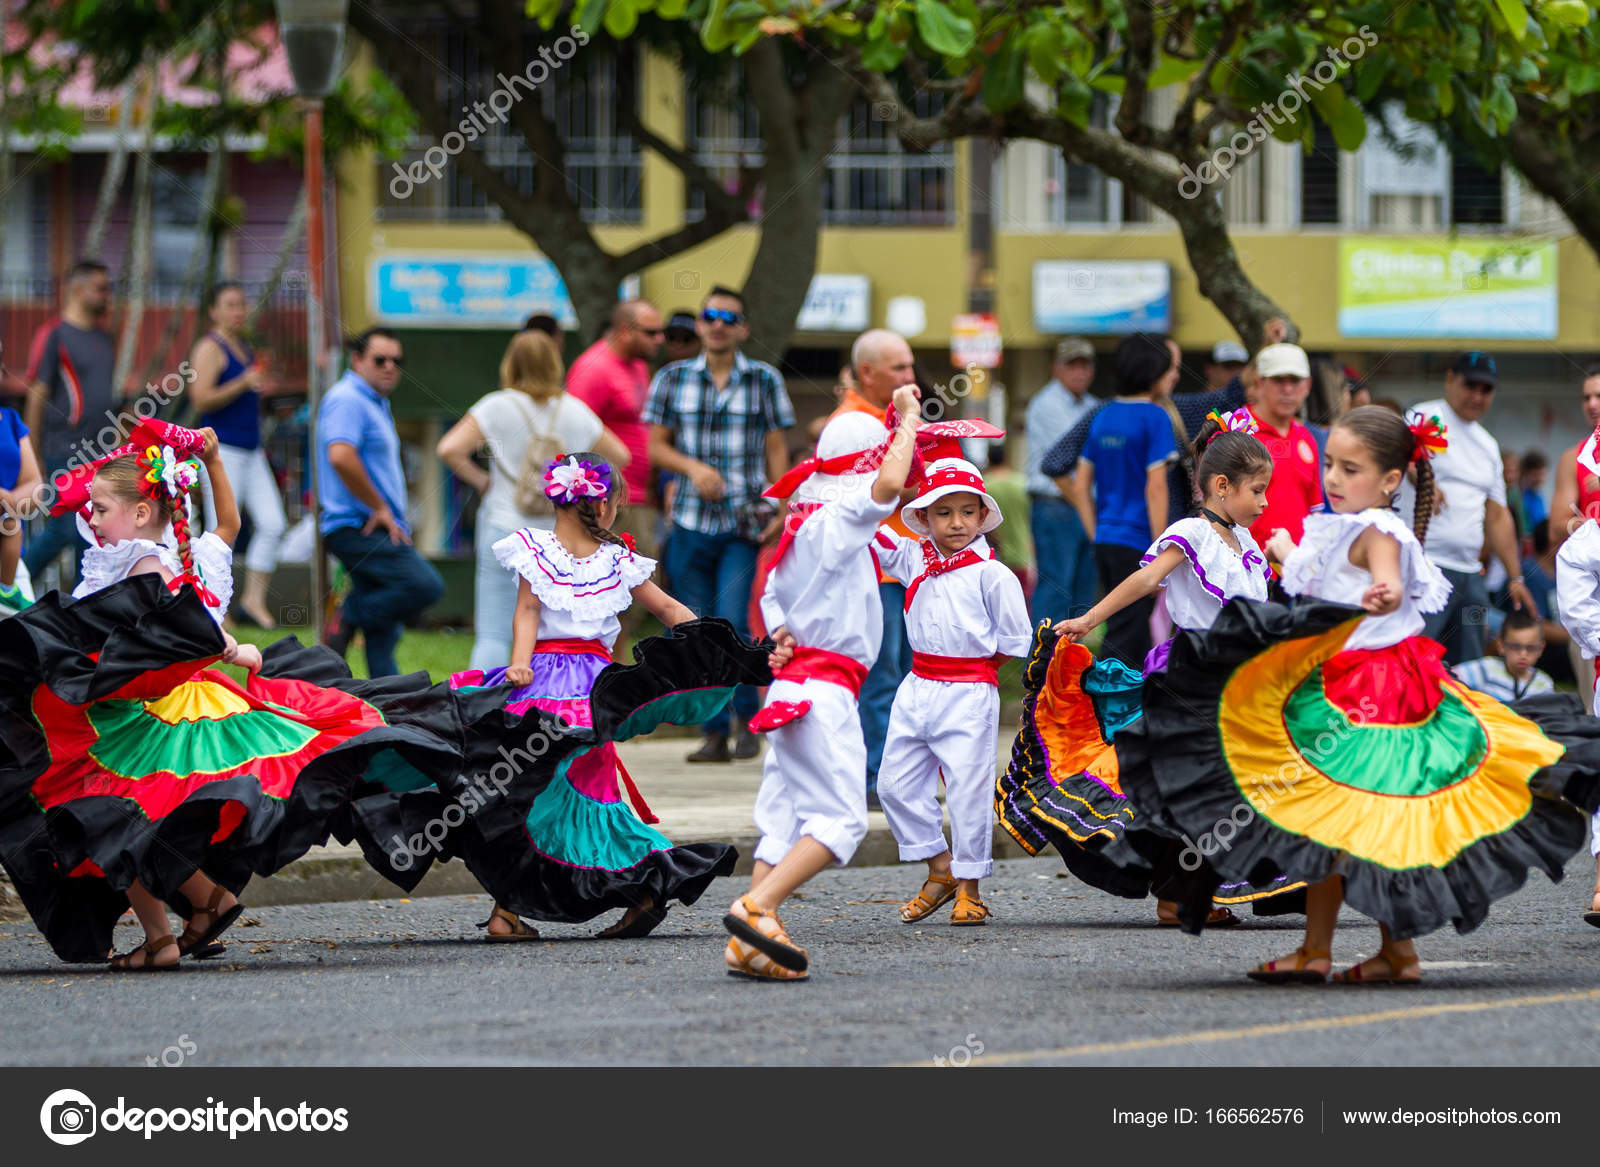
(1351, 245)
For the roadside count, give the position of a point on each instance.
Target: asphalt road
(1062, 975)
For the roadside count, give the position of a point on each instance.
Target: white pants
(494, 596)
(948, 726)
(257, 493)
(814, 779)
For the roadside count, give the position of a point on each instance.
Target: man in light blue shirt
(1061, 547)
(361, 492)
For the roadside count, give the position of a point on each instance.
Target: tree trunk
(1551, 163)
(116, 168)
(138, 266)
(804, 124)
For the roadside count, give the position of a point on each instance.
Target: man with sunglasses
(612, 377)
(361, 491)
(1474, 515)
(717, 422)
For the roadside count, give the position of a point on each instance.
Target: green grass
(436, 651)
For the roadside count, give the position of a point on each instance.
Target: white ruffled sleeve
(213, 559)
(1423, 580)
(109, 563)
(591, 588)
(1221, 573)
(1323, 540)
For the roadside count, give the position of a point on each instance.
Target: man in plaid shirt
(717, 422)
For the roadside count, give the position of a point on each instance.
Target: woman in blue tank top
(227, 390)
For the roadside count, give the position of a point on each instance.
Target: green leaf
(1515, 16)
(1080, 52)
(593, 13)
(1076, 101)
(1445, 98)
(747, 41)
(741, 11)
(1045, 51)
(942, 30)
(1003, 77)
(1501, 106)
(621, 18)
(714, 33)
(672, 9)
(882, 56)
(1173, 71)
(1344, 117)
(1583, 79)
(843, 24)
(1370, 72)
(1566, 13)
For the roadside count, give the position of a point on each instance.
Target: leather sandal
(1218, 917)
(742, 961)
(637, 928)
(968, 912)
(921, 907)
(777, 947)
(124, 963)
(520, 931)
(1292, 970)
(192, 942)
(1397, 965)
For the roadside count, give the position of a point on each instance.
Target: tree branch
(1136, 73)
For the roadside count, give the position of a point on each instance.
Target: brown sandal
(968, 912)
(192, 941)
(741, 959)
(1217, 918)
(1292, 970)
(778, 947)
(1397, 965)
(124, 963)
(519, 930)
(921, 907)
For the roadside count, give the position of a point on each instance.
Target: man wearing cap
(1283, 378)
(1468, 474)
(1062, 550)
(682, 341)
(1228, 359)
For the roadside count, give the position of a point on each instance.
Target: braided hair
(1391, 443)
(585, 508)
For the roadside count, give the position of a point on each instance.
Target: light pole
(313, 37)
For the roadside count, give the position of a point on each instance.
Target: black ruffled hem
(1175, 772)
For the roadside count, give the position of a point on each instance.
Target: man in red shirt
(1283, 378)
(612, 378)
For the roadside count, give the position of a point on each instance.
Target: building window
(1319, 178)
(603, 165)
(1081, 196)
(868, 180)
(1477, 197)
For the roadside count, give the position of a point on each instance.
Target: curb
(344, 876)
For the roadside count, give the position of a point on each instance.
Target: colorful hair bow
(567, 480)
(167, 472)
(1240, 421)
(1428, 435)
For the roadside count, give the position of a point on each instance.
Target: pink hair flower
(567, 480)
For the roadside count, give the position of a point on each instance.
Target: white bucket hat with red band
(950, 476)
(847, 434)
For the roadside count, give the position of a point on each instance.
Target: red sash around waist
(957, 668)
(818, 664)
(574, 647)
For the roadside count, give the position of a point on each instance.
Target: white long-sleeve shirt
(825, 588)
(973, 612)
(1578, 588)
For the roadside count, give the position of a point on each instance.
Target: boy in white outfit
(821, 601)
(1578, 598)
(964, 612)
